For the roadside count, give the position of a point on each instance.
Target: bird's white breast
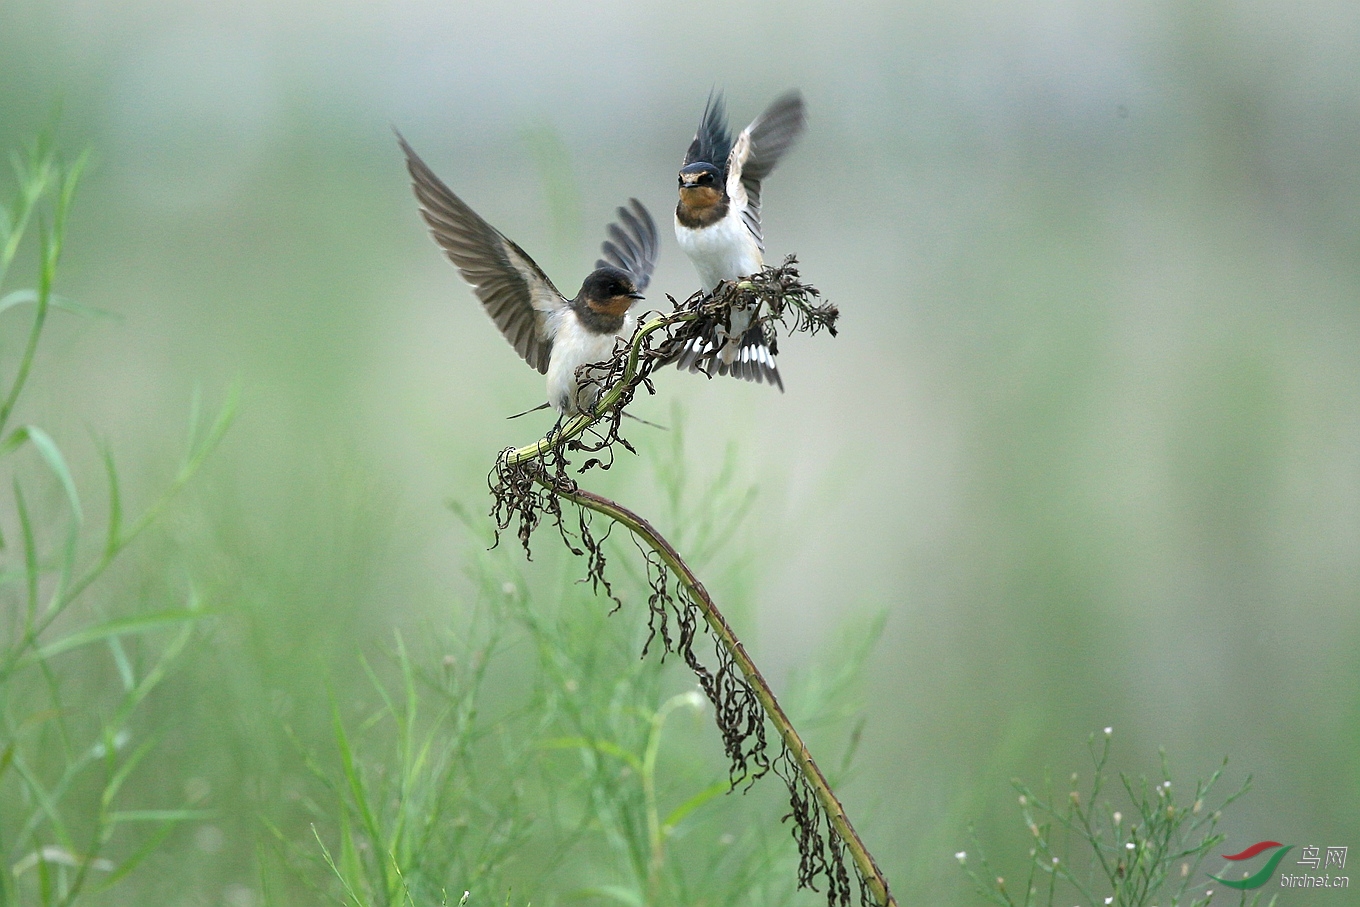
(724, 251)
(574, 346)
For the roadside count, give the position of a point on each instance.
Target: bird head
(700, 185)
(609, 291)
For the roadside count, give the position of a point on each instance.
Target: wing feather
(515, 292)
(632, 244)
(713, 142)
(757, 151)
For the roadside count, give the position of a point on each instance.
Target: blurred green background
(1090, 434)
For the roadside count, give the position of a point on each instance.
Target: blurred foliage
(1083, 846)
(561, 776)
(78, 662)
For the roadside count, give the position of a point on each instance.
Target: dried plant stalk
(533, 481)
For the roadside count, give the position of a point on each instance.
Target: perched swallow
(554, 334)
(717, 223)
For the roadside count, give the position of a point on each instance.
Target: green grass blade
(30, 296)
(354, 779)
(330, 861)
(120, 661)
(45, 803)
(604, 747)
(158, 672)
(142, 623)
(158, 815)
(135, 859)
(618, 893)
(30, 557)
(115, 783)
(17, 297)
(115, 530)
(677, 815)
(51, 454)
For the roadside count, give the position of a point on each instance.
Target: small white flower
(1108, 732)
(1118, 817)
(1109, 900)
(961, 856)
(120, 740)
(1128, 846)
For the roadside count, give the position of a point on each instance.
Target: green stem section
(582, 421)
(722, 631)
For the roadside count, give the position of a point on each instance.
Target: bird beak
(636, 296)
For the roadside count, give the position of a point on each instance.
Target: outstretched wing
(712, 143)
(632, 244)
(515, 292)
(757, 151)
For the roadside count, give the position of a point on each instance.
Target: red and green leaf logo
(1262, 875)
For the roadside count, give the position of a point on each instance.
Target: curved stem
(582, 421)
(722, 631)
(517, 469)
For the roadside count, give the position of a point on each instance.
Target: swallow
(717, 223)
(554, 334)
